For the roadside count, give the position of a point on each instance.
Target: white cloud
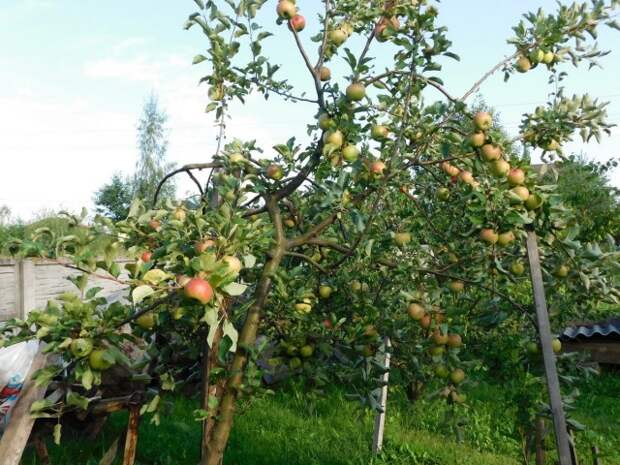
(135, 69)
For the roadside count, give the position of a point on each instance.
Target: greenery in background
(584, 186)
(114, 199)
(297, 428)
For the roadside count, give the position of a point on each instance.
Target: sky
(74, 77)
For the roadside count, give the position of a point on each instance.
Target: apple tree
(398, 216)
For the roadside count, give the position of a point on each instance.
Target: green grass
(295, 428)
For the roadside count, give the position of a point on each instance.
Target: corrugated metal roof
(588, 330)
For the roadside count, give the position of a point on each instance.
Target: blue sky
(74, 75)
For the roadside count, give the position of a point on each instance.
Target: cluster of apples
(441, 343)
(528, 61)
(287, 9)
(294, 352)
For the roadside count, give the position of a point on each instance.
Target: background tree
(584, 186)
(153, 145)
(114, 198)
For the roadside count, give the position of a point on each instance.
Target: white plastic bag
(15, 362)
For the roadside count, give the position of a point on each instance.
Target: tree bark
(208, 390)
(214, 451)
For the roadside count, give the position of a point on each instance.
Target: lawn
(296, 428)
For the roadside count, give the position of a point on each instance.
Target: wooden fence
(28, 284)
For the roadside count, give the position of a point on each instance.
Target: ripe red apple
(325, 73)
(327, 324)
(199, 289)
(425, 321)
(416, 311)
(505, 238)
(467, 177)
(454, 341)
(146, 256)
(377, 167)
(439, 338)
(356, 92)
(286, 9)
(297, 23)
(350, 153)
(154, 224)
(516, 177)
(449, 169)
(491, 152)
(483, 121)
(500, 168)
(379, 132)
(477, 139)
(334, 137)
(489, 236)
(275, 172)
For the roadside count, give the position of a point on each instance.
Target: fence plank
(544, 332)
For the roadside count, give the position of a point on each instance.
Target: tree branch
(185, 169)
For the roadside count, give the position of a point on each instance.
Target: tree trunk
(222, 424)
(208, 390)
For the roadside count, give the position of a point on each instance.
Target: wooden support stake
(131, 440)
(377, 440)
(18, 430)
(595, 456)
(573, 448)
(544, 332)
(41, 450)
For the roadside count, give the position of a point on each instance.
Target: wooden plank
(131, 439)
(377, 440)
(544, 332)
(540, 436)
(18, 430)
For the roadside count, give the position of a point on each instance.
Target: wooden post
(18, 430)
(377, 440)
(131, 440)
(25, 287)
(544, 332)
(595, 456)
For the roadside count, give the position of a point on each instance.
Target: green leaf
(249, 261)
(198, 59)
(235, 289)
(87, 379)
(155, 276)
(230, 331)
(77, 400)
(200, 4)
(140, 293)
